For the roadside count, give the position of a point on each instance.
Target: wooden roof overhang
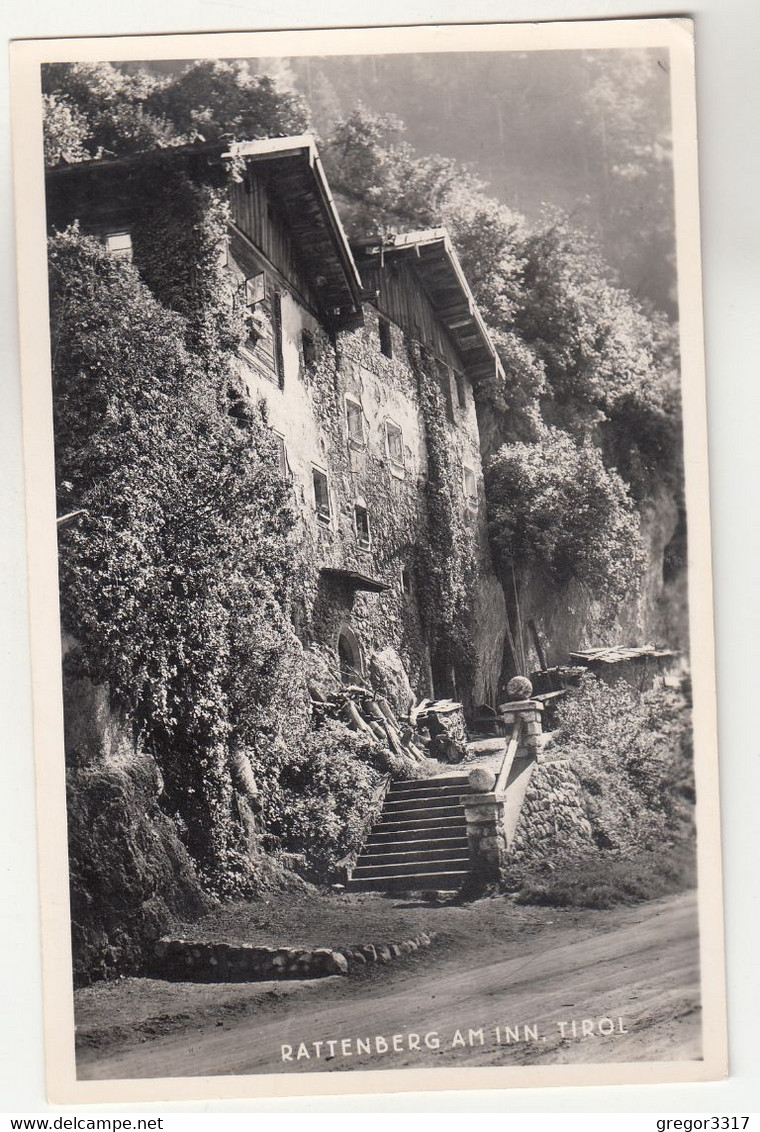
(434, 262)
(293, 173)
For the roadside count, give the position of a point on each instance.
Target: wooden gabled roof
(434, 261)
(293, 172)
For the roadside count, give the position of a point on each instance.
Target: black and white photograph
(365, 427)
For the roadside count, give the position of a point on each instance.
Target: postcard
(370, 586)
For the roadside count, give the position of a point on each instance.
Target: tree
(97, 109)
(553, 504)
(212, 100)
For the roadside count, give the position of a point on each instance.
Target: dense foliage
(632, 754)
(447, 567)
(184, 541)
(587, 411)
(554, 504)
(96, 110)
(586, 131)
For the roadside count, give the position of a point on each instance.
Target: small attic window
(119, 244)
(361, 525)
(386, 342)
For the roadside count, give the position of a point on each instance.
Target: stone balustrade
(494, 801)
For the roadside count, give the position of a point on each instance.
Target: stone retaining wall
(553, 820)
(190, 961)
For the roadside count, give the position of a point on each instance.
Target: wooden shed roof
(293, 172)
(434, 261)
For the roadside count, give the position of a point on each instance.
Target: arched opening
(349, 656)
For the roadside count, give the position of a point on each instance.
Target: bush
(185, 537)
(632, 754)
(324, 798)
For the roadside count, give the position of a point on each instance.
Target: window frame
(323, 516)
(126, 252)
(355, 441)
(284, 467)
(471, 499)
(364, 541)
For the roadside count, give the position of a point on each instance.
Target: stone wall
(553, 823)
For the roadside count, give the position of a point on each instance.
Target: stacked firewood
(433, 728)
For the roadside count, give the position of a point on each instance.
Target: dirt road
(627, 990)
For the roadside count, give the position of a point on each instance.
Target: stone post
(492, 815)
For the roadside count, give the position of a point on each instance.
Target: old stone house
(341, 343)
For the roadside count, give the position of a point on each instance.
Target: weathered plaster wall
(309, 411)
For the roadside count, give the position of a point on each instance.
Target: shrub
(324, 797)
(632, 754)
(185, 536)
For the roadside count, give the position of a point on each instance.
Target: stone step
(411, 784)
(428, 791)
(451, 864)
(428, 831)
(448, 881)
(456, 852)
(414, 801)
(412, 845)
(423, 810)
(420, 822)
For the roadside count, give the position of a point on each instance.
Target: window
(406, 580)
(308, 349)
(394, 442)
(119, 244)
(361, 525)
(461, 391)
(282, 456)
(386, 342)
(279, 366)
(470, 487)
(321, 495)
(354, 423)
(254, 290)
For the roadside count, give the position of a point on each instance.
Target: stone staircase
(419, 841)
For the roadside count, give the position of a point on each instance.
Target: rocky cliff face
(129, 872)
(568, 617)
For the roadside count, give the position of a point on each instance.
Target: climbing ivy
(447, 562)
